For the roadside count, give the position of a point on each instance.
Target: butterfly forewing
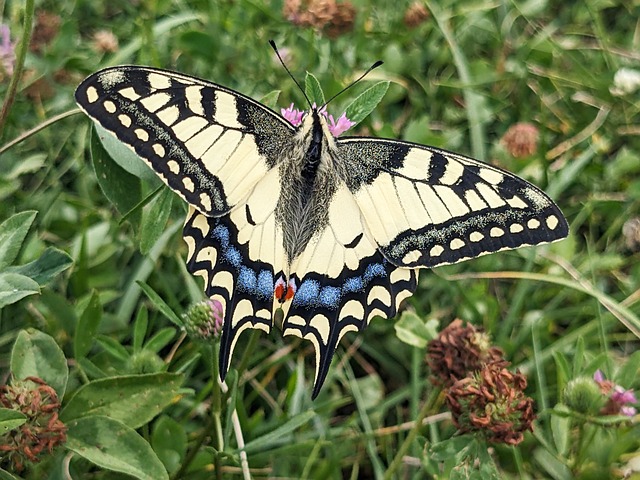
(207, 143)
(427, 207)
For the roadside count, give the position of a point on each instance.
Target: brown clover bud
(46, 28)
(492, 402)
(521, 139)
(459, 351)
(324, 15)
(415, 14)
(104, 41)
(42, 431)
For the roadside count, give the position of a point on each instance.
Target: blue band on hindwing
(252, 280)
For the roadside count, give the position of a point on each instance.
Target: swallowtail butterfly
(331, 230)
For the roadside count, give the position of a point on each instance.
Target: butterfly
(330, 230)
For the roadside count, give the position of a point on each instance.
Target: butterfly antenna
(375, 65)
(275, 49)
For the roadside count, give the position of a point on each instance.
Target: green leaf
(551, 465)
(113, 347)
(4, 475)
(140, 328)
(115, 446)
(131, 399)
(160, 304)
(413, 330)
(160, 340)
(169, 440)
(87, 326)
(123, 155)
(10, 419)
(280, 435)
(366, 102)
(313, 89)
(561, 429)
(14, 287)
(271, 99)
(121, 187)
(154, 219)
(46, 267)
(12, 234)
(36, 354)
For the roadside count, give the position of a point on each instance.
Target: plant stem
(216, 409)
(17, 70)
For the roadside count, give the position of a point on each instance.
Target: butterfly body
(331, 230)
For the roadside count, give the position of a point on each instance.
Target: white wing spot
(141, 134)
(516, 228)
(297, 320)
(159, 149)
(552, 222)
(412, 256)
(205, 201)
(496, 232)
(400, 275)
(476, 237)
(92, 94)
(169, 115)
(436, 251)
(492, 176)
(194, 99)
(379, 293)
(226, 110)
(353, 308)
(129, 93)
(188, 184)
(321, 324)
(125, 120)
(533, 223)
(159, 81)
(156, 101)
(456, 244)
(347, 329)
(474, 200)
(516, 202)
(109, 106)
(452, 173)
(174, 166)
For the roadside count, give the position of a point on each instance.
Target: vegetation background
(137, 396)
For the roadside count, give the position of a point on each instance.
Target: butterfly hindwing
(427, 207)
(206, 142)
(239, 256)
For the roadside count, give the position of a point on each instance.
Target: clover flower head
(336, 127)
(619, 398)
(204, 320)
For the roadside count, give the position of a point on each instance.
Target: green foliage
(93, 283)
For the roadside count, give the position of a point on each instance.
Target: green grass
(106, 302)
